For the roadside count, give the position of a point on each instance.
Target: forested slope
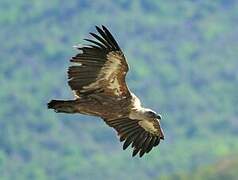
(183, 64)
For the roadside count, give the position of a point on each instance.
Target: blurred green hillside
(183, 64)
(224, 169)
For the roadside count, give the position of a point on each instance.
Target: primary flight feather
(97, 78)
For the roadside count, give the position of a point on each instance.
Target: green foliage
(183, 64)
(224, 169)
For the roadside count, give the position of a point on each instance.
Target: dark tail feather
(63, 106)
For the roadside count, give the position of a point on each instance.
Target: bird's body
(98, 81)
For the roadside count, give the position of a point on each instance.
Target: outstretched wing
(101, 67)
(142, 134)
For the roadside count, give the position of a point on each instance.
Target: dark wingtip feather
(100, 31)
(126, 144)
(111, 37)
(142, 152)
(151, 144)
(96, 43)
(157, 141)
(103, 41)
(145, 145)
(135, 151)
(105, 29)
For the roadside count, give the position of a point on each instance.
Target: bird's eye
(151, 114)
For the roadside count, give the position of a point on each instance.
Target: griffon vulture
(97, 78)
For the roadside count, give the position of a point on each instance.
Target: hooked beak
(161, 130)
(161, 134)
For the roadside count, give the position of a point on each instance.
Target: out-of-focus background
(183, 58)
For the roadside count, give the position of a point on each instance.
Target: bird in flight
(97, 78)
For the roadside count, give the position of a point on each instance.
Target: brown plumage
(97, 78)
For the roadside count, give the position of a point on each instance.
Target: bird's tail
(62, 106)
